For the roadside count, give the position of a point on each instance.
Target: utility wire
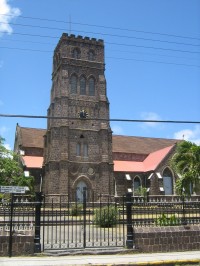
(152, 47)
(153, 61)
(108, 27)
(105, 34)
(24, 49)
(119, 44)
(109, 57)
(100, 119)
(107, 49)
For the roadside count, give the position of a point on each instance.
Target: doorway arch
(82, 184)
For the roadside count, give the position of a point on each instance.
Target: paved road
(121, 259)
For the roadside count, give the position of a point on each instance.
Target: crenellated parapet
(88, 50)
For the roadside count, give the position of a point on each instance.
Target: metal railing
(71, 225)
(58, 223)
(165, 211)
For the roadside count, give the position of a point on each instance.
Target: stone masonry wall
(21, 245)
(167, 238)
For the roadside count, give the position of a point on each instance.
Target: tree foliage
(186, 163)
(11, 172)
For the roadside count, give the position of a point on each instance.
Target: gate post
(129, 239)
(11, 225)
(84, 218)
(38, 204)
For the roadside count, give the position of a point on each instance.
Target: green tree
(11, 172)
(186, 163)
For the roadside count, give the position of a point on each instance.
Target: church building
(78, 152)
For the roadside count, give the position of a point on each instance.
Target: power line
(105, 34)
(101, 119)
(118, 58)
(24, 49)
(108, 27)
(33, 35)
(152, 47)
(153, 61)
(113, 50)
(119, 44)
(149, 54)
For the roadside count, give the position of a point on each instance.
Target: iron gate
(87, 224)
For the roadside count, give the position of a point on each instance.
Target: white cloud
(117, 130)
(150, 116)
(3, 130)
(7, 146)
(189, 134)
(7, 14)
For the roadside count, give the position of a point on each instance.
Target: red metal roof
(32, 161)
(149, 164)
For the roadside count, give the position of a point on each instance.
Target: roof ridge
(142, 137)
(32, 128)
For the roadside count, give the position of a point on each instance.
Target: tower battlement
(84, 49)
(86, 39)
(72, 39)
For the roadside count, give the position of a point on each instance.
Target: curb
(196, 262)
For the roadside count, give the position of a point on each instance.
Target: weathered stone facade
(21, 245)
(167, 238)
(78, 150)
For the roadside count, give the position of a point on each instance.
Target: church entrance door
(80, 188)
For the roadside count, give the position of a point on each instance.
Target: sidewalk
(121, 259)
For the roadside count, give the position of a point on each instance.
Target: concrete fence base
(167, 238)
(21, 245)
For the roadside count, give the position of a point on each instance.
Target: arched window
(81, 188)
(78, 149)
(91, 87)
(82, 86)
(91, 55)
(73, 84)
(136, 185)
(168, 181)
(85, 150)
(76, 53)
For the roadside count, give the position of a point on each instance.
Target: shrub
(106, 216)
(164, 220)
(75, 209)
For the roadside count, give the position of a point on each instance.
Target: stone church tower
(78, 142)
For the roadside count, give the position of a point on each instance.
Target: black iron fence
(69, 225)
(165, 211)
(17, 217)
(57, 223)
(18, 214)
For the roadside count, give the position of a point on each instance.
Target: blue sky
(152, 56)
